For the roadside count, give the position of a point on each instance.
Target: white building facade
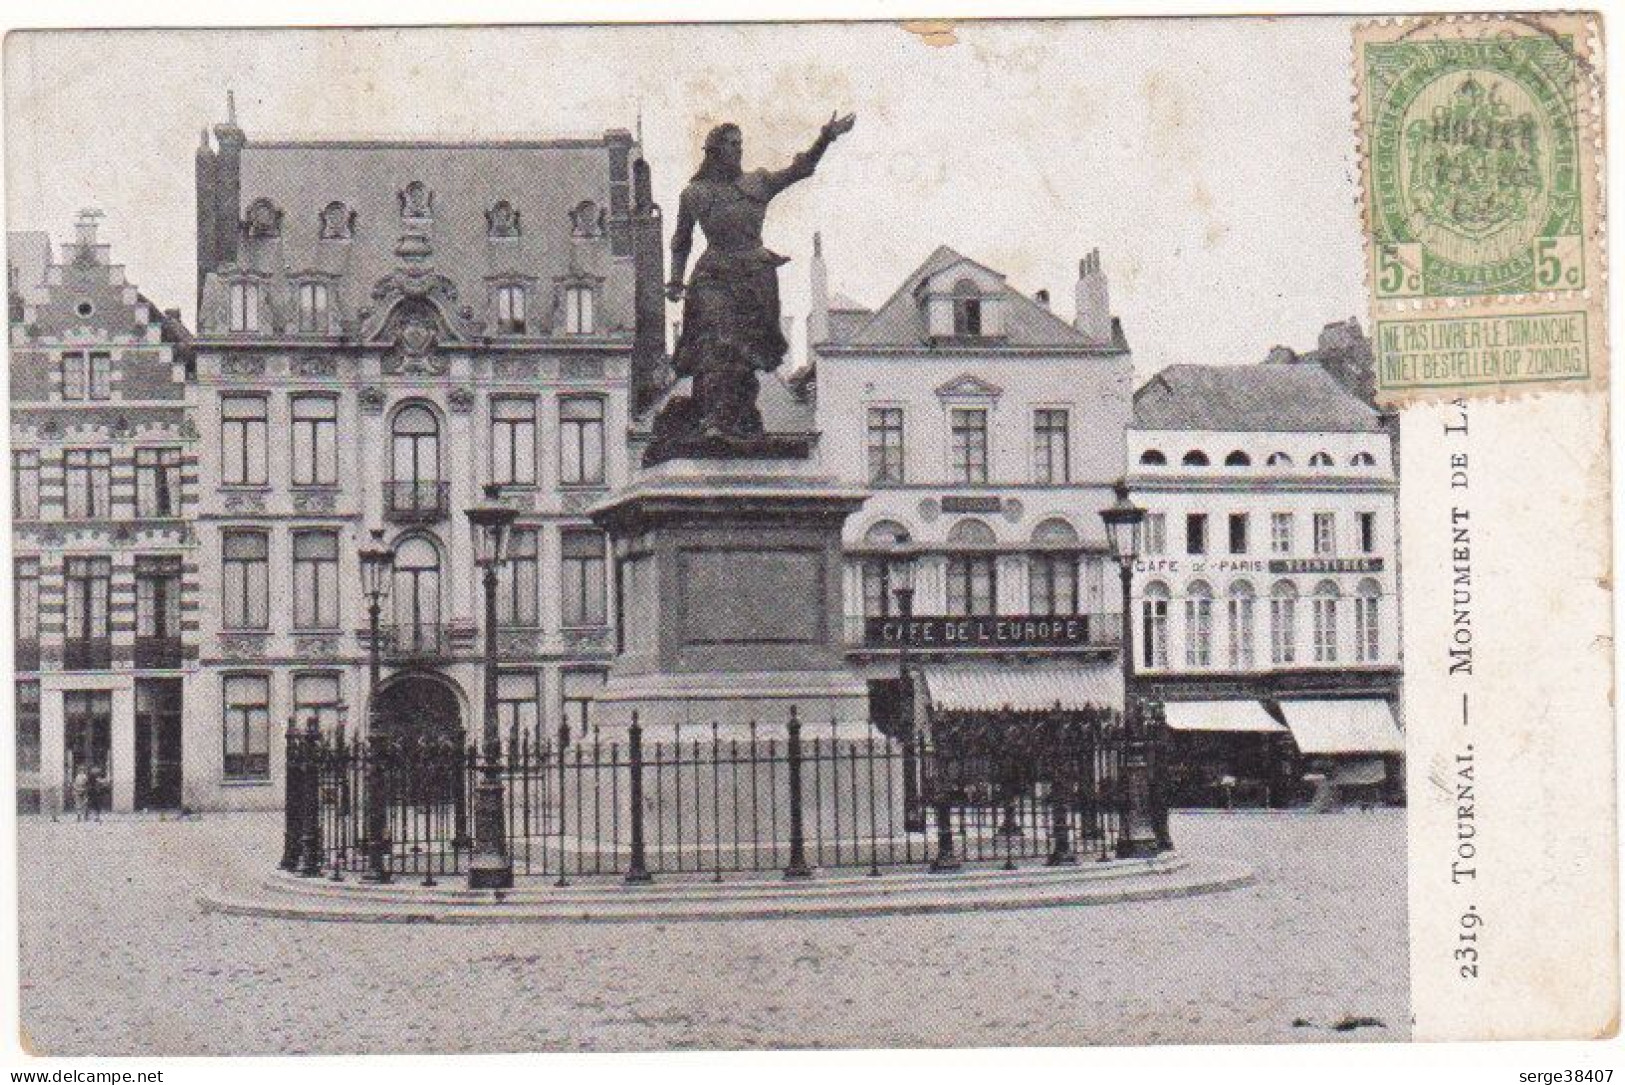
(989, 431)
(1268, 580)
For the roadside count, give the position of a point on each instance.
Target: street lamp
(490, 867)
(377, 562)
(1138, 837)
(900, 575)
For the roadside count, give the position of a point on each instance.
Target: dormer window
(1320, 459)
(1195, 458)
(1152, 457)
(338, 222)
(502, 220)
(967, 309)
(244, 313)
(578, 310)
(313, 299)
(417, 201)
(510, 302)
(586, 220)
(263, 219)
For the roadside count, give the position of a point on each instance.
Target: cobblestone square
(118, 959)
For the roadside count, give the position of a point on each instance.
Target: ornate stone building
(103, 487)
(384, 329)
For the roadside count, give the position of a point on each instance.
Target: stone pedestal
(728, 577)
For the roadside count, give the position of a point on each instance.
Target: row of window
(1238, 533)
(416, 453)
(972, 585)
(509, 307)
(1326, 605)
(87, 476)
(87, 589)
(968, 455)
(1153, 457)
(246, 708)
(415, 600)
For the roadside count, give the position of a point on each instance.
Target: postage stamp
(1478, 140)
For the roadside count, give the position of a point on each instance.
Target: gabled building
(386, 327)
(990, 431)
(103, 489)
(1268, 583)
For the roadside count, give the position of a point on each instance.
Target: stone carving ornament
(461, 399)
(502, 220)
(338, 222)
(372, 399)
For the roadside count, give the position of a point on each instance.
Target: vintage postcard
(810, 535)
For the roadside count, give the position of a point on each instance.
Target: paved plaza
(118, 959)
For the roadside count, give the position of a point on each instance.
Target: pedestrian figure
(94, 787)
(81, 794)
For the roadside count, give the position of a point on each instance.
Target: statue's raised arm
(802, 167)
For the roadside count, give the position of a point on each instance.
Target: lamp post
(900, 574)
(1138, 837)
(377, 562)
(490, 867)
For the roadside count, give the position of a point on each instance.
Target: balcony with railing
(159, 653)
(960, 633)
(415, 641)
(416, 502)
(87, 654)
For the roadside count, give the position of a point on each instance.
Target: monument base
(729, 586)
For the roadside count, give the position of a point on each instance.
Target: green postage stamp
(1479, 145)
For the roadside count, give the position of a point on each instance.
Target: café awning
(1024, 689)
(1229, 716)
(1332, 727)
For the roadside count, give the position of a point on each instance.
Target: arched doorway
(419, 705)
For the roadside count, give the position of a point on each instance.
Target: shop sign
(1004, 631)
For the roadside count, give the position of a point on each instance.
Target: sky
(1211, 161)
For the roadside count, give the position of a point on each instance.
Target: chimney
(817, 299)
(1094, 302)
(1094, 317)
(649, 366)
(1042, 298)
(85, 228)
(228, 170)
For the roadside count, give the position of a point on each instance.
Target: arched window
(879, 594)
(1325, 621)
(1363, 459)
(415, 461)
(1195, 458)
(1279, 459)
(415, 595)
(1052, 569)
(1154, 625)
(1152, 457)
(972, 576)
(1239, 625)
(1284, 622)
(967, 308)
(1320, 459)
(971, 532)
(1238, 458)
(1198, 624)
(1367, 618)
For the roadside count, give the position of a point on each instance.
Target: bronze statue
(731, 328)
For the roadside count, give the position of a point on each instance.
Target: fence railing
(713, 800)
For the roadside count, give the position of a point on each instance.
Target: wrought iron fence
(714, 800)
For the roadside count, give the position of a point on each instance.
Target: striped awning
(1355, 726)
(1230, 716)
(989, 688)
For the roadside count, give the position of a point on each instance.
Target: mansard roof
(536, 213)
(1297, 397)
